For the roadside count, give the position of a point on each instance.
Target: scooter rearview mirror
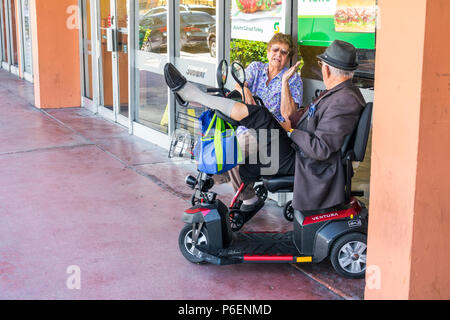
(222, 75)
(238, 73)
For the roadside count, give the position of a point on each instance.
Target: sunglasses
(283, 51)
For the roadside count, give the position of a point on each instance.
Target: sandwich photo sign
(355, 16)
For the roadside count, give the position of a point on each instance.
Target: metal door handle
(111, 40)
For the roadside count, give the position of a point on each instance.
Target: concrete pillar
(56, 61)
(408, 244)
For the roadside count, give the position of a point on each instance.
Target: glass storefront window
(4, 31)
(153, 32)
(353, 21)
(198, 30)
(107, 98)
(13, 28)
(153, 110)
(364, 76)
(153, 107)
(87, 50)
(197, 42)
(27, 37)
(122, 55)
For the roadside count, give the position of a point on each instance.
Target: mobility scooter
(339, 233)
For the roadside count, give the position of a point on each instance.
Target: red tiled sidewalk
(76, 189)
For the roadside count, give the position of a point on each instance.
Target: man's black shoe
(250, 208)
(174, 79)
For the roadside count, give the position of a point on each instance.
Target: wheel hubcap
(352, 256)
(188, 241)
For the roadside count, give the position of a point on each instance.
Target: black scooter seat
(279, 183)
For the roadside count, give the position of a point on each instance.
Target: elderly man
(311, 147)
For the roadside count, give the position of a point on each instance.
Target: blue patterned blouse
(257, 76)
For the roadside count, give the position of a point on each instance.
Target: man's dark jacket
(319, 172)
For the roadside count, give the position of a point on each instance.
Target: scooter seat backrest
(362, 133)
(356, 143)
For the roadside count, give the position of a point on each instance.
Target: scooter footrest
(261, 243)
(217, 257)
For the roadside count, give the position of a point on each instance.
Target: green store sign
(320, 22)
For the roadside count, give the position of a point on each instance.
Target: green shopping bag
(217, 150)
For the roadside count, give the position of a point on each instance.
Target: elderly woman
(266, 80)
(281, 90)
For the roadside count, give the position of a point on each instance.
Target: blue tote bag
(217, 150)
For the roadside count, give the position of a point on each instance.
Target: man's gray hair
(340, 73)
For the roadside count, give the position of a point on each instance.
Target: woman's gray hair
(282, 38)
(340, 73)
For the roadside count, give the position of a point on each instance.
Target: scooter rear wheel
(186, 246)
(348, 255)
(261, 191)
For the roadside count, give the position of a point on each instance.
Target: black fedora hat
(341, 55)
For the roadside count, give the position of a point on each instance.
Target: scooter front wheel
(186, 245)
(236, 219)
(194, 200)
(288, 211)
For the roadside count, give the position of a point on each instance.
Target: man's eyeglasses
(283, 51)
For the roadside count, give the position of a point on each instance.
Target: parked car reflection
(211, 40)
(194, 27)
(199, 7)
(183, 7)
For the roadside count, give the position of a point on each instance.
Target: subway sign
(320, 22)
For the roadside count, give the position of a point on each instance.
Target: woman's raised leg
(190, 93)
